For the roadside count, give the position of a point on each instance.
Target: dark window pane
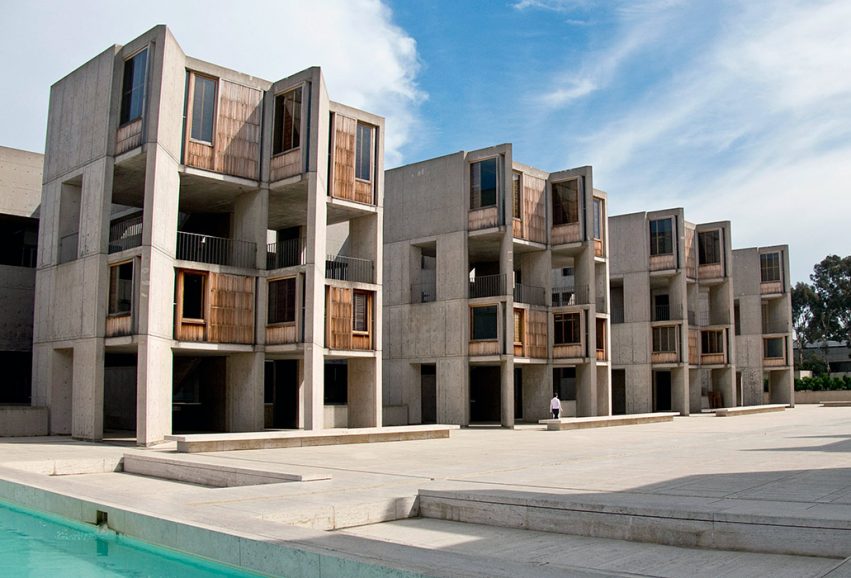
(363, 160)
(774, 348)
(203, 109)
(359, 319)
(120, 288)
(483, 179)
(282, 301)
(287, 122)
(661, 237)
(484, 323)
(516, 198)
(193, 296)
(598, 218)
(709, 247)
(566, 202)
(133, 87)
(769, 267)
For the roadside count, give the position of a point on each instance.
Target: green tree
(805, 308)
(832, 286)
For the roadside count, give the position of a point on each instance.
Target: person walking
(555, 405)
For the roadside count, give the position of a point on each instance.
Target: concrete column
(506, 381)
(87, 390)
(781, 386)
(60, 365)
(586, 390)
(364, 403)
(154, 390)
(537, 391)
(727, 385)
(244, 392)
(604, 390)
(506, 266)
(680, 390)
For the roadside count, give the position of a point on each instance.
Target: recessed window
(483, 183)
(203, 108)
(282, 297)
(133, 87)
(193, 295)
(360, 313)
(664, 340)
(662, 237)
(774, 348)
(598, 219)
(709, 247)
(121, 289)
(484, 326)
(712, 342)
(566, 202)
(363, 152)
(769, 267)
(566, 329)
(517, 209)
(519, 326)
(287, 134)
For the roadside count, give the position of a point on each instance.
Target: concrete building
(672, 313)
(20, 196)
(763, 325)
(496, 291)
(207, 250)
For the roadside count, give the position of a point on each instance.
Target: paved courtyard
(793, 467)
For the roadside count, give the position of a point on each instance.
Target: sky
(734, 110)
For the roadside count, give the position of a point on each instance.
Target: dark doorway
(17, 377)
(485, 403)
(119, 392)
(281, 394)
(518, 393)
(198, 400)
(618, 391)
(428, 393)
(662, 391)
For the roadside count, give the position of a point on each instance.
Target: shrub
(823, 383)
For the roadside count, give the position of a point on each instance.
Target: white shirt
(555, 403)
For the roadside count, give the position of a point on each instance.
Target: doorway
(485, 403)
(661, 391)
(428, 393)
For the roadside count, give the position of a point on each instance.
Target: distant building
(496, 291)
(20, 196)
(208, 249)
(837, 355)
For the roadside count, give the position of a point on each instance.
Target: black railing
(216, 250)
(570, 295)
(125, 234)
(530, 294)
(423, 292)
(668, 312)
(284, 254)
(349, 269)
(487, 286)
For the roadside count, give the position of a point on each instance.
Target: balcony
(775, 326)
(342, 268)
(706, 271)
(216, 250)
(287, 253)
(663, 262)
(125, 234)
(669, 312)
(423, 292)
(529, 294)
(771, 287)
(487, 286)
(484, 218)
(566, 233)
(569, 295)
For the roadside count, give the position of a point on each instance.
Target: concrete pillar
(506, 267)
(586, 390)
(244, 392)
(87, 390)
(537, 391)
(154, 389)
(314, 387)
(680, 390)
(726, 384)
(314, 324)
(364, 403)
(506, 380)
(60, 376)
(453, 390)
(781, 387)
(604, 390)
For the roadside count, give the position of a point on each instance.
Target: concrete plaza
(700, 496)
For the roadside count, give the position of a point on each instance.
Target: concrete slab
(835, 403)
(748, 410)
(569, 423)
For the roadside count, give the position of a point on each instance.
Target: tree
(805, 307)
(832, 287)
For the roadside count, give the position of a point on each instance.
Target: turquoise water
(34, 544)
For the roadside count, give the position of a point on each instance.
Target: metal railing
(345, 268)
(530, 294)
(216, 250)
(125, 234)
(778, 326)
(570, 295)
(284, 254)
(668, 312)
(487, 286)
(68, 247)
(423, 292)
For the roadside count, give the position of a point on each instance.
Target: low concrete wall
(820, 396)
(20, 421)
(394, 415)
(336, 416)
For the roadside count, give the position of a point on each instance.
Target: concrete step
(835, 403)
(748, 410)
(570, 423)
(752, 526)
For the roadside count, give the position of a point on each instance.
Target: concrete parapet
(20, 421)
(568, 423)
(748, 409)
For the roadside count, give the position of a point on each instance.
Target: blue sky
(735, 110)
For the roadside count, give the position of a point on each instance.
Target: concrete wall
(17, 289)
(20, 182)
(23, 421)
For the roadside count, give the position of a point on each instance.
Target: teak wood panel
(231, 310)
(533, 222)
(662, 262)
(339, 326)
(713, 271)
(536, 334)
(281, 333)
(693, 340)
(774, 361)
(598, 248)
(482, 218)
(235, 149)
(490, 347)
(128, 136)
(573, 350)
(344, 185)
(568, 233)
(691, 255)
(285, 165)
(771, 287)
(117, 325)
(664, 357)
(713, 359)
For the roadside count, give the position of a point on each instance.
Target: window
(336, 383)
(193, 295)
(564, 383)
(517, 210)
(566, 327)
(133, 87)
(774, 348)
(709, 247)
(360, 316)
(769, 267)
(282, 298)
(566, 202)
(483, 183)
(484, 323)
(287, 134)
(363, 153)
(664, 340)
(598, 219)
(662, 237)
(712, 342)
(203, 108)
(121, 289)
(518, 327)
(737, 317)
